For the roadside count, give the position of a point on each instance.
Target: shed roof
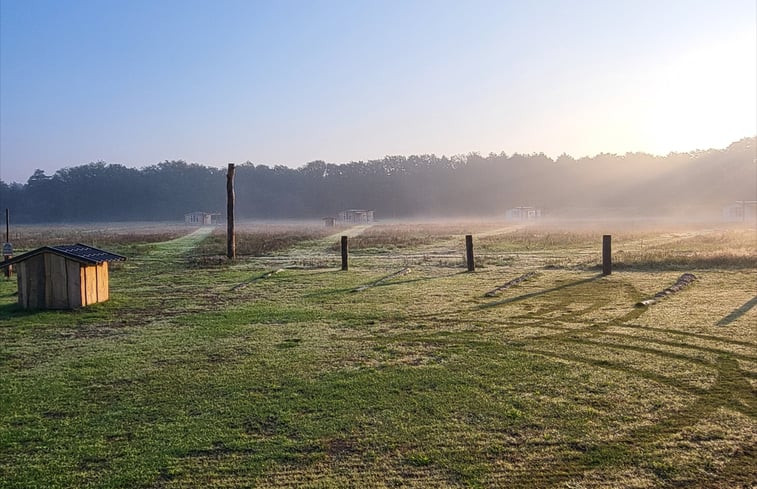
(78, 252)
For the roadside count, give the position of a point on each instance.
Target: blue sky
(287, 82)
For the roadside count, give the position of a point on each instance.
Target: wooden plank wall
(23, 285)
(35, 277)
(89, 284)
(50, 281)
(56, 282)
(102, 282)
(73, 284)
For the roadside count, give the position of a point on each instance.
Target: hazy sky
(287, 82)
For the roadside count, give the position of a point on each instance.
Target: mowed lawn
(201, 373)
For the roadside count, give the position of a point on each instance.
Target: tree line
(394, 186)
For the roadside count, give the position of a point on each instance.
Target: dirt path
(350, 232)
(175, 249)
(320, 247)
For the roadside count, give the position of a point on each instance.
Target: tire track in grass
(175, 249)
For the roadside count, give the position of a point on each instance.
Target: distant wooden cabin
(356, 216)
(201, 218)
(329, 222)
(523, 213)
(62, 277)
(742, 210)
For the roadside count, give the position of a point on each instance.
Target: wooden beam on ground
(509, 284)
(682, 282)
(260, 277)
(398, 273)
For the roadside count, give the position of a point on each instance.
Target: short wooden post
(231, 244)
(345, 254)
(469, 252)
(606, 254)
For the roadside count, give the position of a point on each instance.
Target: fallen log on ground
(398, 273)
(683, 281)
(260, 277)
(509, 284)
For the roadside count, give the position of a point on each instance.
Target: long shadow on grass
(540, 293)
(731, 390)
(738, 312)
(686, 333)
(423, 279)
(331, 292)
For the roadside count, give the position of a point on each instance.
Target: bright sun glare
(704, 98)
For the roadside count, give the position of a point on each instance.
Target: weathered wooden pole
(606, 254)
(345, 254)
(231, 244)
(469, 252)
(7, 248)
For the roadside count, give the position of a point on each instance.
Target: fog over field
(443, 244)
(693, 185)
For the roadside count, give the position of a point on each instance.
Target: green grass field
(195, 374)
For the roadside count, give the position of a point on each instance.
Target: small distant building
(742, 210)
(201, 218)
(523, 213)
(356, 216)
(62, 277)
(329, 222)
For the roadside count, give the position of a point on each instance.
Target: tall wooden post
(7, 253)
(469, 252)
(606, 254)
(231, 244)
(345, 254)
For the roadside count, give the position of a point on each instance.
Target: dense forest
(395, 187)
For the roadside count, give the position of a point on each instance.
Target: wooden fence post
(345, 253)
(469, 252)
(7, 253)
(606, 254)
(231, 244)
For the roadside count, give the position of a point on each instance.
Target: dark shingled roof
(88, 253)
(78, 252)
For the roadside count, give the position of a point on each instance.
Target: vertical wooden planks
(102, 282)
(90, 283)
(56, 287)
(23, 285)
(74, 288)
(35, 276)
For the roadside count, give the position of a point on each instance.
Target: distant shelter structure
(62, 277)
(201, 218)
(741, 210)
(356, 216)
(523, 213)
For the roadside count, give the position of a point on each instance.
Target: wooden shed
(62, 277)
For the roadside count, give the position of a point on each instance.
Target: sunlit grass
(296, 380)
